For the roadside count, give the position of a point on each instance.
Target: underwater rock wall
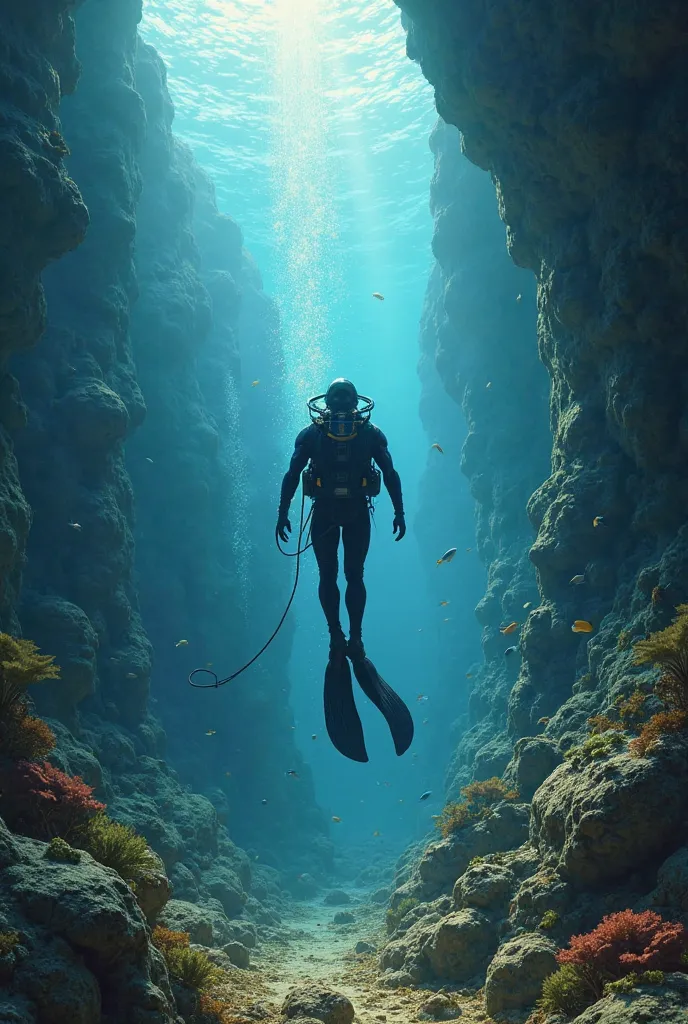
(42, 216)
(480, 330)
(207, 593)
(582, 128)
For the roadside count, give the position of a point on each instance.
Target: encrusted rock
(187, 917)
(485, 886)
(515, 975)
(671, 890)
(460, 945)
(336, 898)
(439, 1007)
(534, 760)
(646, 1004)
(238, 954)
(364, 947)
(343, 917)
(319, 1003)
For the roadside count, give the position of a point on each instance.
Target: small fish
(447, 556)
(211, 732)
(182, 643)
(469, 550)
(446, 620)
(376, 833)
(527, 605)
(148, 460)
(598, 521)
(443, 604)
(488, 385)
(131, 675)
(469, 675)
(75, 526)
(426, 795)
(114, 659)
(379, 296)
(582, 626)
(208, 664)
(263, 801)
(421, 698)
(314, 736)
(255, 383)
(518, 298)
(335, 818)
(425, 721)
(510, 650)
(506, 630)
(577, 580)
(228, 775)
(293, 774)
(437, 448)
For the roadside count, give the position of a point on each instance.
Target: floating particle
(446, 620)
(425, 721)
(447, 556)
(468, 550)
(292, 773)
(255, 383)
(228, 775)
(488, 385)
(443, 604)
(506, 630)
(577, 580)
(75, 526)
(518, 298)
(437, 448)
(148, 460)
(211, 732)
(208, 664)
(379, 296)
(582, 626)
(510, 650)
(182, 643)
(263, 801)
(131, 675)
(377, 833)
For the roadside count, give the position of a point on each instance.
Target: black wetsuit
(342, 509)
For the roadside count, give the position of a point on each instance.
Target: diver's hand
(283, 527)
(399, 526)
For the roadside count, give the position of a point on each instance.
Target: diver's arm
(389, 474)
(301, 455)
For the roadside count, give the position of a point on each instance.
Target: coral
(479, 799)
(8, 941)
(40, 801)
(599, 724)
(631, 710)
(625, 943)
(395, 914)
(118, 847)
(23, 736)
(20, 666)
(661, 724)
(550, 919)
(57, 849)
(668, 648)
(189, 966)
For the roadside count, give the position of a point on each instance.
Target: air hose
(303, 529)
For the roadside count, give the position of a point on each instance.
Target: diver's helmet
(341, 396)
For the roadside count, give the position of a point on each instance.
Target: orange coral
(658, 726)
(479, 798)
(166, 939)
(24, 737)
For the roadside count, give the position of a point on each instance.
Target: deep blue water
(314, 126)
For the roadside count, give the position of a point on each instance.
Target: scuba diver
(334, 458)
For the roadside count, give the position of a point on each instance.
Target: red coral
(627, 942)
(40, 801)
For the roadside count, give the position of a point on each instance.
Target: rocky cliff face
(480, 329)
(580, 128)
(42, 216)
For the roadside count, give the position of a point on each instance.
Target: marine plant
(595, 747)
(117, 846)
(23, 736)
(190, 967)
(565, 992)
(8, 941)
(478, 802)
(396, 914)
(668, 649)
(20, 666)
(623, 641)
(59, 850)
(550, 919)
(661, 724)
(625, 985)
(40, 801)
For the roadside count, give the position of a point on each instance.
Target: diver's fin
(397, 715)
(341, 717)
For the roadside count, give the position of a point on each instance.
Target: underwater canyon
(477, 212)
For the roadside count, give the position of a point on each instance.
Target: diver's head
(341, 396)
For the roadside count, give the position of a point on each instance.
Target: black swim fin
(396, 714)
(341, 717)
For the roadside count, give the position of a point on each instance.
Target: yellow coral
(21, 665)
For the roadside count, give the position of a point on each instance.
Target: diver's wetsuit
(341, 514)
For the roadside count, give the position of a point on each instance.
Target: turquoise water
(314, 126)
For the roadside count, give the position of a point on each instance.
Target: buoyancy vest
(342, 466)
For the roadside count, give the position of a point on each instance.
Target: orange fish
(255, 383)
(437, 448)
(582, 626)
(335, 818)
(509, 629)
(376, 833)
(443, 604)
(598, 521)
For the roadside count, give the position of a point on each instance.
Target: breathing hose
(303, 528)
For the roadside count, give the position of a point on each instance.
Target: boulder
(672, 883)
(438, 1007)
(600, 821)
(336, 898)
(187, 917)
(533, 761)
(646, 1004)
(319, 1003)
(518, 969)
(460, 944)
(485, 886)
(380, 896)
(364, 947)
(343, 917)
(224, 885)
(153, 890)
(238, 954)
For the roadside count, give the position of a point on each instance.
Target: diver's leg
(356, 538)
(325, 532)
